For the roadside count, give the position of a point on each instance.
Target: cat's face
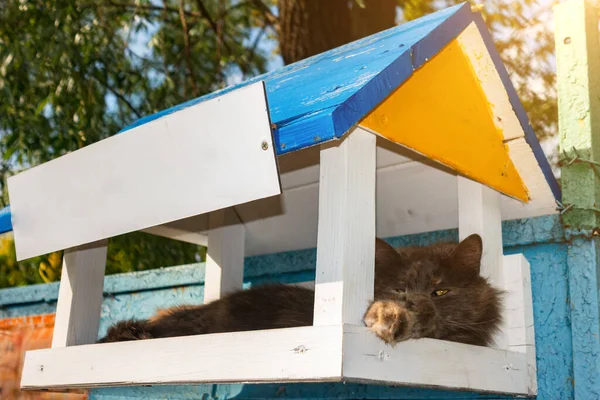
(441, 287)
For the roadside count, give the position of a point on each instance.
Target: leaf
(42, 105)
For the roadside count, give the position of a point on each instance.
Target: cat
(434, 291)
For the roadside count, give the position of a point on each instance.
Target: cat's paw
(389, 320)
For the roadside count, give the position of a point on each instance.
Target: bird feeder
(414, 129)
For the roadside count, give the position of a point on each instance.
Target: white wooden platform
(308, 354)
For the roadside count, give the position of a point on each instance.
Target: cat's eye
(439, 293)
(400, 290)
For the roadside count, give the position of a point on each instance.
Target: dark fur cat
(434, 291)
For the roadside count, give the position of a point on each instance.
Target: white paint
(308, 354)
(285, 355)
(302, 168)
(225, 255)
(479, 212)
(519, 313)
(80, 296)
(346, 240)
(539, 192)
(151, 175)
(504, 117)
(178, 234)
(432, 363)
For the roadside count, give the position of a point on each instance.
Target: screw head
(264, 145)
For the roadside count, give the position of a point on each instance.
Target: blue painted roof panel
(5, 220)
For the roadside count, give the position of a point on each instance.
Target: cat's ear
(467, 255)
(384, 253)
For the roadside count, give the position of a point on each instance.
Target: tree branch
(252, 51)
(118, 96)
(269, 17)
(186, 49)
(220, 36)
(148, 7)
(163, 48)
(213, 25)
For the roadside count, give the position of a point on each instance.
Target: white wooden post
(80, 295)
(479, 212)
(225, 255)
(520, 333)
(346, 234)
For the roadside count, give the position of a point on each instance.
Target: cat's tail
(127, 330)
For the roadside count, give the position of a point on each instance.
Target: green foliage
(140, 251)
(13, 273)
(41, 269)
(126, 253)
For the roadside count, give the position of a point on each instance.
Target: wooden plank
(346, 237)
(539, 192)
(518, 305)
(225, 255)
(432, 363)
(479, 212)
(167, 231)
(80, 295)
(302, 168)
(149, 176)
(284, 355)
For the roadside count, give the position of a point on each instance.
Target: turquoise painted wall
(139, 294)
